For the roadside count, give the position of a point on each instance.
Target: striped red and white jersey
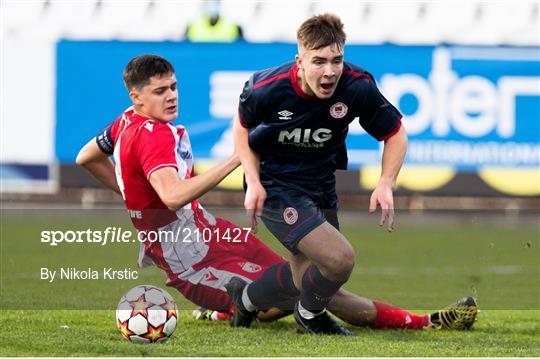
(202, 253)
(140, 146)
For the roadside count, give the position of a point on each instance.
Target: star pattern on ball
(124, 329)
(154, 333)
(140, 306)
(170, 306)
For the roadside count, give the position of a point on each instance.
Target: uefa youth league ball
(146, 314)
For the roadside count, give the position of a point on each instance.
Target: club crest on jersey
(250, 267)
(290, 215)
(285, 115)
(338, 110)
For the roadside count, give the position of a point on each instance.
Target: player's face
(320, 70)
(158, 99)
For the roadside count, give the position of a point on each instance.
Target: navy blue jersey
(300, 138)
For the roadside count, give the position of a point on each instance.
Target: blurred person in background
(212, 27)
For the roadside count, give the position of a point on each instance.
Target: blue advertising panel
(464, 107)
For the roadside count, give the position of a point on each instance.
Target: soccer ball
(146, 314)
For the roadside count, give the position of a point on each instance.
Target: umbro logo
(285, 115)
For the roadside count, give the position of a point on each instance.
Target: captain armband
(104, 141)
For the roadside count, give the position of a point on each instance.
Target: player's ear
(298, 60)
(135, 97)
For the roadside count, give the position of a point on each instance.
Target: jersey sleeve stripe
(271, 79)
(160, 166)
(393, 132)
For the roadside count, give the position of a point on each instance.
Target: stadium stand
(407, 22)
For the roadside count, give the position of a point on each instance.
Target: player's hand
(382, 195)
(254, 203)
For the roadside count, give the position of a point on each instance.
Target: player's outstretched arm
(393, 155)
(255, 193)
(175, 192)
(98, 164)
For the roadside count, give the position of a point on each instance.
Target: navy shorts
(290, 213)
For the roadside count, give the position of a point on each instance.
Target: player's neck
(141, 113)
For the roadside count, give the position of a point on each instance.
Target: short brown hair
(141, 69)
(320, 31)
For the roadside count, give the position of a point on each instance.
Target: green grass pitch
(421, 266)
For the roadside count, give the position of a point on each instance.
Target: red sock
(217, 315)
(389, 316)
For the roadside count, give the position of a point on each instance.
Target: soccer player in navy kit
(289, 133)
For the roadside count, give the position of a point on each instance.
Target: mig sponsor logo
(305, 135)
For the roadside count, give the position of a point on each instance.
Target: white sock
(306, 314)
(247, 302)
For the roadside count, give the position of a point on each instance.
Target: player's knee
(346, 265)
(340, 265)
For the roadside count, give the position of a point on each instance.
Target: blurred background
(465, 74)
